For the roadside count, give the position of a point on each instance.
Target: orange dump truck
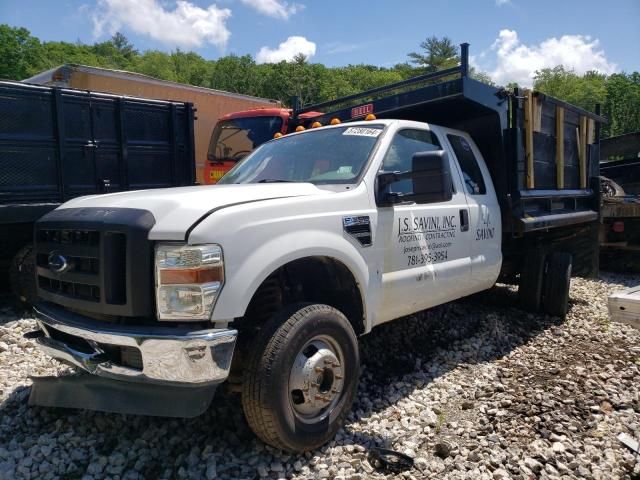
(210, 104)
(238, 133)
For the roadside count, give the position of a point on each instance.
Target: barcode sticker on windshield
(363, 131)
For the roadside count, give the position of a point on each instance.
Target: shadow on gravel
(489, 324)
(11, 309)
(625, 262)
(403, 351)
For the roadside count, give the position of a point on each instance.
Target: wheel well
(309, 279)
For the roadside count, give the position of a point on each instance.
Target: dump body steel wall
(57, 144)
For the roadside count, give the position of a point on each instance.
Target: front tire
(301, 377)
(22, 275)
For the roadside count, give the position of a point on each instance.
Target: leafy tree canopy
(23, 55)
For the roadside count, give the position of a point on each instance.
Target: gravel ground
(475, 389)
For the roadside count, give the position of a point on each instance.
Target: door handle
(464, 220)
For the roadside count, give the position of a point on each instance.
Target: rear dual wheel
(557, 281)
(301, 377)
(545, 280)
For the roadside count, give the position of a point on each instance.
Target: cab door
(484, 211)
(426, 246)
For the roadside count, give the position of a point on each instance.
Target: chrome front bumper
(169, 356)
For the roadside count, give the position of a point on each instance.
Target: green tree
(618, 94)
(191, 68)
(622, 104)
(481, 77)
(437, 54)
(405, 70)
(58, 53)
(23, 55)
(156, 64)
(297, 78)
(20, 53)
(584, 91)
(236, 74)
(123, 46)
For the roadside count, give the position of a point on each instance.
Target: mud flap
(90, 392)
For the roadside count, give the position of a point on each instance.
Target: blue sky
(509, 38)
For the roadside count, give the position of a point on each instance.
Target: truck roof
(268, 112)
(369, 123)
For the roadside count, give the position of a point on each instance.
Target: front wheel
(22, 275)
(301, 377)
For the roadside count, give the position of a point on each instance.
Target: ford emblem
(57, 262)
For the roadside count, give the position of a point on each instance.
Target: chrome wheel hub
(316, 379)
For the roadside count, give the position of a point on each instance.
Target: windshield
(234, 139)
(332, 155)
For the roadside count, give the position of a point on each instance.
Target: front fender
(245, 273)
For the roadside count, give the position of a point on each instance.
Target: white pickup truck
(309, 242)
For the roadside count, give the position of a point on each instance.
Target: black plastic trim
(124, 255)
(102, 394)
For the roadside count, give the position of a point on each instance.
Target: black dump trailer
(620, 161)
(620, 223)
(543, 155)
(57, 144)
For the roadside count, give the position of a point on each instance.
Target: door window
(403, 146)
(471, 173)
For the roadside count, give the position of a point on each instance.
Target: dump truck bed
(542, 153)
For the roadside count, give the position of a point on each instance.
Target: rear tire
(531, 281)
(555, 300)
(301, 377)
(22, 275)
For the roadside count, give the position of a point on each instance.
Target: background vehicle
(314, 239)
(209, 104)
(237, 134)
(620, 223)
(57, 144)
(620, 161)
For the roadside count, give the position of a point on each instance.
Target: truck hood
(176, 210)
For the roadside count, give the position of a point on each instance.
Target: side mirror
(430, 176)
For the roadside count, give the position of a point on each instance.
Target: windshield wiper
(275, 180)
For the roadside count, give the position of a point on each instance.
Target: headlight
(188, 280)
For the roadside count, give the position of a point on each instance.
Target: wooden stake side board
(624, 306)
(557, 143)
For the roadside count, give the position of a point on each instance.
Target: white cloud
(517, 62)
(187, 25)
(274, 8)
(499, 3)
(288, 49)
